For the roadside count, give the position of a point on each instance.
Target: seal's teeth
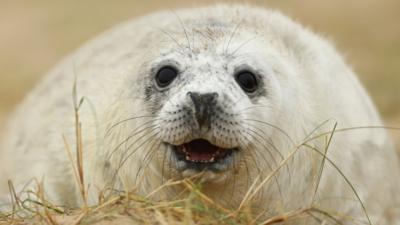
(212, 159)
(187, 158)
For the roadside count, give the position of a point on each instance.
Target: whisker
(252, 107)
(232, 35)
(268, 165)
(124, 160)
(242, 45)
(262, 144)
(147, 128)
(233, 185)
(269, 141)
(148, 154)
(182, 49)
(248, 173)
(258, 153)
(163, 166)
(108, 130)
(184, 29)
(274, 148)
(127, 149)
(275, 127)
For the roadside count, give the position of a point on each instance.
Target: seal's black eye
(247, 80)
(166, 75)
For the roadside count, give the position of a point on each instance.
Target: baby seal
(237, 96)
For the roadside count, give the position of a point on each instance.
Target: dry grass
(128, 208)
(190, 206)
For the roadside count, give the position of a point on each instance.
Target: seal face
(204, 96)
(240, 101)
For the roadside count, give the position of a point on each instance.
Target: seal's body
(233, 95)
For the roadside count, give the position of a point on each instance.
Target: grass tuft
(32, 207)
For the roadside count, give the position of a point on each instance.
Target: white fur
(306, 83)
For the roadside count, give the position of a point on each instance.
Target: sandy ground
(396, 134)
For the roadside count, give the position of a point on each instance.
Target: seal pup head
(212, 93)
(211, 84)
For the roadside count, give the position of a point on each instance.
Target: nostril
(195, 97)
(213, 96)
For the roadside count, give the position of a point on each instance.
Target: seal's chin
(201, 155)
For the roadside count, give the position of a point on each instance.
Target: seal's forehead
(183, 36)
(202, 36)
(206, 29)
(212, 23)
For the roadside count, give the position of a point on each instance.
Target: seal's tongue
(200, 151)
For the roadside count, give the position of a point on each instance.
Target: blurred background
(36, 34)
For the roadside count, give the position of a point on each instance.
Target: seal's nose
(203, 106)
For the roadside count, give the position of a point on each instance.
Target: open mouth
(200, 153)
